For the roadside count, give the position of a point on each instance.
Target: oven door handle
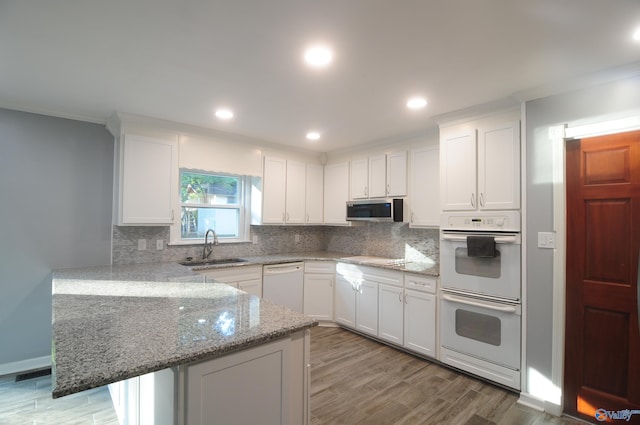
(505, 309)
(499, 239)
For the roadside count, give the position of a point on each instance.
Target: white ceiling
(179, 60)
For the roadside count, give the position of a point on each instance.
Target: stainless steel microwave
(386, 210)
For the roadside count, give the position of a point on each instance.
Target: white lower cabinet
(319, 280)
(246, 278)
(391, 314)
(345, 299)
(367, 308)
(420, 322)
(267, 385)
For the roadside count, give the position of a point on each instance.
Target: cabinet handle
(405, 298)
(366, 191)
(400, 296)
(171, 215)
(412, 216)
(473, 200)
(481, 199)
(388, 190)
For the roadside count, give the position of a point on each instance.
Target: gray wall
(56, 191)
(600, 103)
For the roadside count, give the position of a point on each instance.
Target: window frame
(243, 206)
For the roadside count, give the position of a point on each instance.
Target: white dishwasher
(282, 284)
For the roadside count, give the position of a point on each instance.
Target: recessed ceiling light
(224, 113)
(318, 56)
(416, 103)
(313, 135)
(636, 35)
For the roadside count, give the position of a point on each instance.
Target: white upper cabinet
(274, 181)
(499, 167)
(292, 192)
(397, 174)
(481, 170)
(148, 179)
(360, 178)
(336, 193)
(379, 176)
(314, 194)
(295, 193)
(425, 187)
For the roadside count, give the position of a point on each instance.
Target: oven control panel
(502, 221)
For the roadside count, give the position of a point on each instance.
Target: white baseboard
(532, 402)
(25, 365)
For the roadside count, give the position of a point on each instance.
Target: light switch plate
(159, 245)
(142, 244)
(546, 240)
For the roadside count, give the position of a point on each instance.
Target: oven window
(478, 266)
(479, 327)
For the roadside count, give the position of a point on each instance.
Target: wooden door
(602, 351)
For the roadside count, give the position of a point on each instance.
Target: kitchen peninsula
(205, 343)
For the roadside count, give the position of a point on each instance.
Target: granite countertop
(114, 323)
(420, 267)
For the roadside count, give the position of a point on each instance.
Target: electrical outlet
(255, 239)
(159, 245)
(546, 240)
(297, 238)
(142, 244)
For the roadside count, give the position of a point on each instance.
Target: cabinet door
(318, 296)
(295, 190)
(149, 169)
(397, 174)
(336, 193)
(458, 171)
(499, 167)
(253, 386)
(420, 322)
(377, 176)
(254, 286)
(367, 308)
(359, 178)
(314, 194)
(274, 182)
(345, 302)
(391, 313)
(425, 187)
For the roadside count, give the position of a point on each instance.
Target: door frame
(559, 135)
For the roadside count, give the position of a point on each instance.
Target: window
(211, 201)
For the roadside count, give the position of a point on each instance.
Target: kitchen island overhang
(107, 330)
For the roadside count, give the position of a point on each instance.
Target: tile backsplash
(390, 240)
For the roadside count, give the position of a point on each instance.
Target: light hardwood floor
(354, 380)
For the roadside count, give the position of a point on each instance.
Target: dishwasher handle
(282, 268)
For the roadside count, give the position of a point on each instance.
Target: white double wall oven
(480, 295)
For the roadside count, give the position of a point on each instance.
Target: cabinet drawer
(320, 267)
(378, 275)
(420, 283)
(234, 274)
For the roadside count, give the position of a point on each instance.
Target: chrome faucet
(208, 246)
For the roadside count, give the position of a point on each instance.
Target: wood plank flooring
(29, 402)
(354, 380)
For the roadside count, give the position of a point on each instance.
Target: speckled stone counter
(115, 323)
(418, 267)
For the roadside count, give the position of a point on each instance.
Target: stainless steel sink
(212, 262)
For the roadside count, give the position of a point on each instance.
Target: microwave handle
(498, 239)
(506, 309)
